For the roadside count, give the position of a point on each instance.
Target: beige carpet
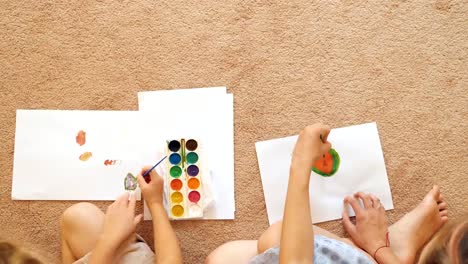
(400, 63)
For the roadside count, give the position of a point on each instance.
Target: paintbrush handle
(150, 170)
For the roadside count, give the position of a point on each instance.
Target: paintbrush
(145, 175)
(183, 152)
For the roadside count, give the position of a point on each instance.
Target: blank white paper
(362, 168)
(46, 161)
(147, 99)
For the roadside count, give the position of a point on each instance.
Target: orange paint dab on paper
(86, 156)
(81, 138)
(110, 162)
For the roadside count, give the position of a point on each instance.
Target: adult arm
(371, 229)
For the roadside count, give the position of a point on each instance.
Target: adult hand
(370, 230)
(152, 191)
(120, 221)
(311, 145)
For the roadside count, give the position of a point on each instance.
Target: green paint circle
(175, 171)
(336, 164)
(192, 158)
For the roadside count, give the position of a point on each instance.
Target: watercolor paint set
(184, 179)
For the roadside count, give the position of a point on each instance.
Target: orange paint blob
(193, 183)
(81, 138)
(176, 184)
(325, 164)
(86, 156)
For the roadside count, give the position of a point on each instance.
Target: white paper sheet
(362, 168)
(148, 98)
(209, 119)
(47, 165)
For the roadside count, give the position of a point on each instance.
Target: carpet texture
(400, 63)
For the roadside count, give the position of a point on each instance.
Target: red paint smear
(81, 138)
(110, 162)
(325, 164)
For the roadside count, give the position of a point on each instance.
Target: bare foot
(412, 231)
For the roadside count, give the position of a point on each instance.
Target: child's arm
(165, 241)
(119, 224)
(297, 236)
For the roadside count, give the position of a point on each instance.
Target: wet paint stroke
(111, 162)
(86, 156)
(130, 182)
(328, 165)
(81, 138)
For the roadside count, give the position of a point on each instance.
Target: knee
(75, 214)
(233, 252)
(211, 258)
(270, 238)
(216, 256)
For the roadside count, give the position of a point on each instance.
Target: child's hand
(120, 220)
(152, 191)
(371, 227)
(311, 145)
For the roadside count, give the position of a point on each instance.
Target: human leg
(407, 236)
(81, 224)
(272, 236)
(234, 252)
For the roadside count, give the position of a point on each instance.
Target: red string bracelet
(387, 244)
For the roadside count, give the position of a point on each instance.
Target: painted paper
(64, 155)
(361, 167)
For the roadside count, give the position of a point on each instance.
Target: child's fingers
(132, 202)
(326, 147)
(141, 181)
(138, 219)
(122, 200)
(366, 200)
(348, 225)
(145, 169)
(375, 201)
(153, 174)
(324, 132)
(354, 204)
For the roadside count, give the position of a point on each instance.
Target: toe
(443, 213)
(444, 219)
(442, 206)
(441, 198)
(434, 193)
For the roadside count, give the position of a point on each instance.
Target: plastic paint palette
(185, 195)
